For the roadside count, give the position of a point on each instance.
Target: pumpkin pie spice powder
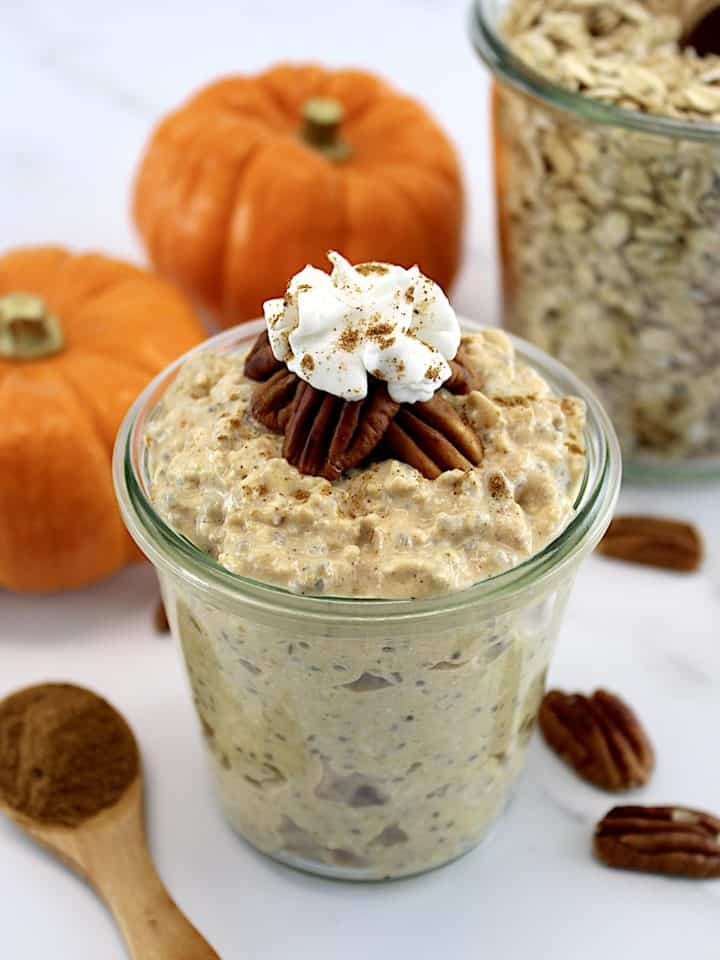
(65, 754)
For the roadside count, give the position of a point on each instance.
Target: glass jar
(365, 739)
(609, 225)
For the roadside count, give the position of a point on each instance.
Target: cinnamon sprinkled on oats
(497, 486)
(514, 401)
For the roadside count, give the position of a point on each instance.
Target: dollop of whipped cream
(373, 319)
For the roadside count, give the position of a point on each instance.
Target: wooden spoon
(110, 850)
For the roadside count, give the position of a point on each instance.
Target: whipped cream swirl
(373, 319)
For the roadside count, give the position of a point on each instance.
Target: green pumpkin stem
(28, 331)
(322, 118)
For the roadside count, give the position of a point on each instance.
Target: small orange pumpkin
(258, 175)
(80, 336)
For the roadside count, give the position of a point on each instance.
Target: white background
(81, 83)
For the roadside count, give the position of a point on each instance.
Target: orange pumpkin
(80, 336)
(257, 176)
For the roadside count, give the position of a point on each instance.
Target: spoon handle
(118, 864)
(152, 924)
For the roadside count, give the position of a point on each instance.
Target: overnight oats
(366, 526)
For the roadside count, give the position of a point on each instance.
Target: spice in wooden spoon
(70, 776)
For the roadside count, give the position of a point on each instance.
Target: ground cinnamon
(65, 754)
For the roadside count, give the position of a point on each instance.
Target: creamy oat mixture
(382, 531)
(610, 237)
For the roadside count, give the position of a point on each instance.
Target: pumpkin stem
(28, 331)
(322, 117)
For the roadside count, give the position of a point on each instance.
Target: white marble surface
(81, 83)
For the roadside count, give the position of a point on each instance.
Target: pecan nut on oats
(325, 435)
(599, 736)
(671, 840)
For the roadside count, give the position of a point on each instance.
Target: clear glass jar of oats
(355, 738)
(607, 162)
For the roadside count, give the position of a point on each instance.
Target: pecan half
(325, 436)
(433, 437)
(271, 404)
(463, 379)
(373, 416)
(442, 415)
(655, 541)
(260, 363)
(311, 420)
(671, 840)
(599, 736)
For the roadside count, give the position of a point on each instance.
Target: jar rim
(169, 550)
(502, 62)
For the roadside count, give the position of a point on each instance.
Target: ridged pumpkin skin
(231, 202)
(59, 522)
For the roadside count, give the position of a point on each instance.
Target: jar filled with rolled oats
(607, 160)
